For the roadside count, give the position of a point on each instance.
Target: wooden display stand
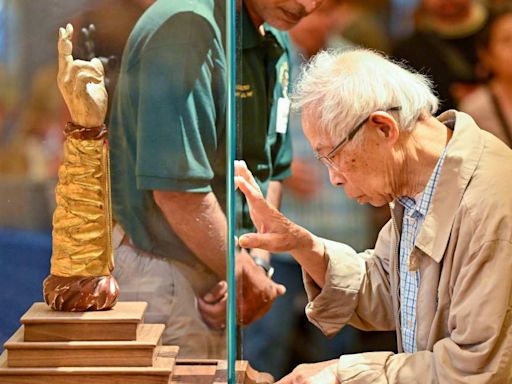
(105, 347)
(215, 372)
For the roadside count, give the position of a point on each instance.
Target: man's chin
(281, 23)
(376, 202)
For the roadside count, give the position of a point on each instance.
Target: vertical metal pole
(230, 184)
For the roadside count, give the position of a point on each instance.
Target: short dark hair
(495, 14)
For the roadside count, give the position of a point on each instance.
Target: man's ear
(385, 126)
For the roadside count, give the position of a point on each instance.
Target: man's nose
(336, 178)
(310, 5)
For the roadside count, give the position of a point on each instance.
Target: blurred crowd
(464, 46)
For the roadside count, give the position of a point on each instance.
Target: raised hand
(81, 83)
(275, 232)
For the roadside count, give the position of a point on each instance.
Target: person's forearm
(198, 220)
(310, 254)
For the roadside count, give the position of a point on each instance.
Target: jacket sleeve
(478, 348)
(356, 291)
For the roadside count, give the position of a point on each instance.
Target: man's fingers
(280, 289)
(239, 164)
(252, 194)
(273, 242)
(212, 306)
(213, 314)
(285, 380)
(325, 376)
(242, 170)
(216, 311)
(65, 47)
(245, 187)
(216, 293)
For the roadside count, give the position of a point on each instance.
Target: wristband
(269, 270)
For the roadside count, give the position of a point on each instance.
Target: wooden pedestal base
(215, 372)
(120, 323)
(159, 373)
(105, 347)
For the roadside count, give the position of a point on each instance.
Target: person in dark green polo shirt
(168, 168)
(262, 93)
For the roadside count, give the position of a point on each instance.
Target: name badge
(283, 112)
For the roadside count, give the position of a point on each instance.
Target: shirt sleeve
(357, 290)
(176, 120)
(477, 349)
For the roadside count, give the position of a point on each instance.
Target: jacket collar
(463, 154)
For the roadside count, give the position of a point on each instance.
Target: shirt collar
(421, 202)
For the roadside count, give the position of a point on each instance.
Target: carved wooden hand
(81, 83)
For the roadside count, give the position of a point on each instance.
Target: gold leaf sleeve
(82, 224)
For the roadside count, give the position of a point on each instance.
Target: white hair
(341, 89)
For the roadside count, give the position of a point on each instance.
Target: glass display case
(153, 192)
(137, 221)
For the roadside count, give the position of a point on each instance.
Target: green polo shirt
(167, 127)
(262, 78)
(167, 122)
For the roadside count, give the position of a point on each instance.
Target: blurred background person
(35, 148)
(108, 37)
(364, 23)
(443, 46)
(276, 343)
(491, 104)
(8, 102)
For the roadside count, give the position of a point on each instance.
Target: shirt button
(409, 323)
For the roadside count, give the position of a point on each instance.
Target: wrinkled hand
(212, 306)
(317, 373)
(275, 232)
(255, 291)
(81, 83)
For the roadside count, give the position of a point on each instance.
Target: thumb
(216, 293)
(280, 289)
(254, 240)
(273, 242)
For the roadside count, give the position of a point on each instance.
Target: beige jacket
(464, 254)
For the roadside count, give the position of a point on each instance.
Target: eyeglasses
(327, 160)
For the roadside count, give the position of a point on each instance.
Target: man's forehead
(317, 139)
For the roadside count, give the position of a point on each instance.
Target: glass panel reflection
(166, 78)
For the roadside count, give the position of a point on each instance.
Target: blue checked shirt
(414, 215)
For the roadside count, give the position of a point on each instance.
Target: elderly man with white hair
(441, 271)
